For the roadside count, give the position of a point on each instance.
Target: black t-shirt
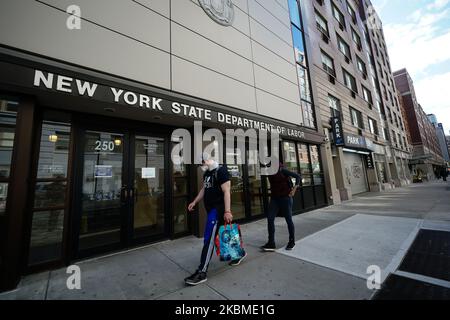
(212, 181)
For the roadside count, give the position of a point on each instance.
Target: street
(334, 247)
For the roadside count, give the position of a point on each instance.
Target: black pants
(283, 204)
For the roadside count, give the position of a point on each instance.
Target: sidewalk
(335, 245)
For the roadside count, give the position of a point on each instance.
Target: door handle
(132, 195)
(123, 194)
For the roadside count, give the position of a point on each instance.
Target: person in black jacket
(444, 173)
(281, 199)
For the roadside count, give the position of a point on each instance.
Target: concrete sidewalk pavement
(334, 245)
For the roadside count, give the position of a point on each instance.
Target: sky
(417, 35)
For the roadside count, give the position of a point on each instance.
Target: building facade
(426, 157)
(440, 133)
(350, 65)
(447, 138)
(90, 97)
(397, 152)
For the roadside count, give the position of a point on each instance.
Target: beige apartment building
(357, 98)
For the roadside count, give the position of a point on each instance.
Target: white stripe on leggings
(211, 246)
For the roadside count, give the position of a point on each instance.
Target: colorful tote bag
(229, 242)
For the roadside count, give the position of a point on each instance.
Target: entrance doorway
(122, 190)
(355, 171)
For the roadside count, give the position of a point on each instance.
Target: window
(290, 156)
(394, 139)
(305, 90)
(50, 205)
(357, 119)
(294, 13)
(305, 165)
(8, 115)
(356, 39)
(373, 127)
(335, 106)
(299, 47)
(308, 115)
(344, 48)
(367, 95)
(315, 165)
(351, 12)
(386, 134)
(322, 25)
(339, 17)
(302, 71)
(328, 64)
(350, 81)
(385, 92)
(361, 66)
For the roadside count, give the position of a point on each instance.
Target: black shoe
(192, 275)
(290, 245)
(196, 278)
(237, 261)
(269, 247)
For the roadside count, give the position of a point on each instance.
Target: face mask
(213, 166)
(204, 168)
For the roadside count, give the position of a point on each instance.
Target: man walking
(281, 199)
(217, 199)
(444, 173)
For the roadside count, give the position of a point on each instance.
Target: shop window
(180, 184)
(305, 165)
(50, 192)
(8, 115)
(316, 165)
(290, 156)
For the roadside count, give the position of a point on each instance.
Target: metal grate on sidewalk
(429, 256)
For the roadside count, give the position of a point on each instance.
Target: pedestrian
(444, 173)
(281, 199)
(216, 196)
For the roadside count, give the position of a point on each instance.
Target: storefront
(86, 165)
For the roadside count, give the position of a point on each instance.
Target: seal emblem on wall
(221, 11)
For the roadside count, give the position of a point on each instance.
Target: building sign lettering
(338, 133)
(68, 85)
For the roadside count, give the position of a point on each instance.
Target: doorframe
(17, 194)
(78, 156)
(168, 218)
(82, 122)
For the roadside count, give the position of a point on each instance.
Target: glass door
(8, 117)
(122, 190)
(255, 184)
(148, 204)
(103, 191)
